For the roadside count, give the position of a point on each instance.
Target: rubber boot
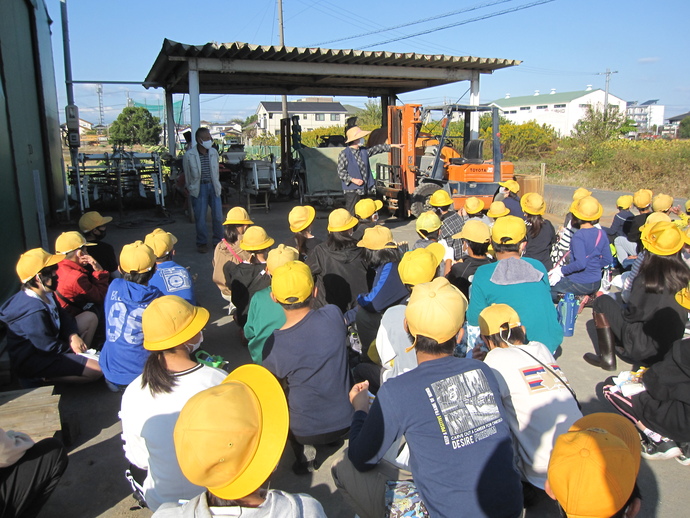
(606, 359)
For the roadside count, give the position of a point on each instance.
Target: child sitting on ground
(169, 277)
(475, 238)
(428, 227)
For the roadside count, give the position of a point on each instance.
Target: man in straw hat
(353, 166)
(450, 412)
(593, 468)
(43, 341)
(233, 457)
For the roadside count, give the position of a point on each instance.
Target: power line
(464, 22)
(416, 22)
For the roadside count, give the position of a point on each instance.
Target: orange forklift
(428, 163)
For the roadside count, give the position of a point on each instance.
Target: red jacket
(79, 286)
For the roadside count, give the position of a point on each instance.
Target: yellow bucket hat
(301, 217)
(508, 230)
(69, 242)
(642, 198)
(160, 241)
(237, 216)
(654, 218)
(475, 231)
(436, 310)
(497, 210)
(662, 202)
(587, 209)
(137, 258)
(366, 207)
(33, 261)
(341, 220)
(494, 317)
(511, 185)
(473, 205)
(233, 456)
(687, 206)
(624, 202)
(662, 238)
(580, 193)
(279, 256)
(683, 298)
(292, 283)
(377, 238)
(533, 203)
(440, 198)
(91, 220)
(420, 265)
(256, 239)
(170, 321)
(428, 221)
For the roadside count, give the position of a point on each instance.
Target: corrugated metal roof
(342, 70)
(529, 100)
(304, 107)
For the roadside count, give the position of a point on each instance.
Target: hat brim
(199, 321)
(259, 246)
(584, 217)
(275, 421)
(508, 186)
(357, 136)
(345, 227)
(494, 215)
(238, 222)
(438, 251)
(311, 215)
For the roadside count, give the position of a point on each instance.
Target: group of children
(435, 364)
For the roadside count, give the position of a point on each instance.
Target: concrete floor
(94, 485)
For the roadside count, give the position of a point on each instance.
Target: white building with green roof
(559, 110)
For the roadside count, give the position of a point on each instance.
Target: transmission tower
(99, 91)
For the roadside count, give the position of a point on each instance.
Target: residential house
(559, 110)
(314, 112)
(648, 116)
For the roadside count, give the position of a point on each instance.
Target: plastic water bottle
(567, 313)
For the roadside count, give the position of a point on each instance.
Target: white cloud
(645, 61)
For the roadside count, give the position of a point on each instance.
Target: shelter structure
(242, 68)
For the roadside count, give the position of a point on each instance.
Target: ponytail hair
(156, 374)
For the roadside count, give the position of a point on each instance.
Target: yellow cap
(533, 203)
(508, 230)
(137, 258)
(687, 206)
(279, 256)
(69, 242)
(686, 235)
(497, 210)
(237, 216)
(233, 456)
(587, 209)
(170, 321)
(593, 468)
(377, 238)
(366, 207)
(511, 185)
(420, 265)
(33, 261)
(428, 221)
(355, 133)
(301, 217)
(496, 317)
(292, 283)
(624, 202)
(161, 242)
(440, 198)
(662, 202)
(654, 218)
(663, 238)
(642, 198)
(683, 298)
(256, 239)
(341, 220)
(436, 310)
(475, 231)
(91, 220)
(473, 205)
(580, 193)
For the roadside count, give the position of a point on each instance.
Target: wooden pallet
(32, 411)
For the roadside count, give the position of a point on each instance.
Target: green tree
(684, 128)
(597, 126)
(135, 125)
(249, 120)
(371, 116)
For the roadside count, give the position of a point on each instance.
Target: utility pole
(606, 91)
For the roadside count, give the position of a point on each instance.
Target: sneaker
(684, 457)
(663, 450)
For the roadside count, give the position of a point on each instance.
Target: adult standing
(200, 166)
(353, 166)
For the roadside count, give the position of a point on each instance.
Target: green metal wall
(29, 132)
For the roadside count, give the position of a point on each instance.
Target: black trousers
(315, 448)
(26, 485)
(351, 199)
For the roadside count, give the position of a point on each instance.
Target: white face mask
(361, 142)
(208, 144)
(195, 346)
(375, 217)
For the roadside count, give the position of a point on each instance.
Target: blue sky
(562, 44)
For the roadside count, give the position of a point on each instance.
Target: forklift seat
(473, 153)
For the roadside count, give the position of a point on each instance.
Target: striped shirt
(205, 168)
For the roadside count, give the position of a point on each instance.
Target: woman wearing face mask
(151, 403)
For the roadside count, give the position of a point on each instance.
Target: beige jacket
(222, 255)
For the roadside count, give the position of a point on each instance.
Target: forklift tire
(420, 198)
